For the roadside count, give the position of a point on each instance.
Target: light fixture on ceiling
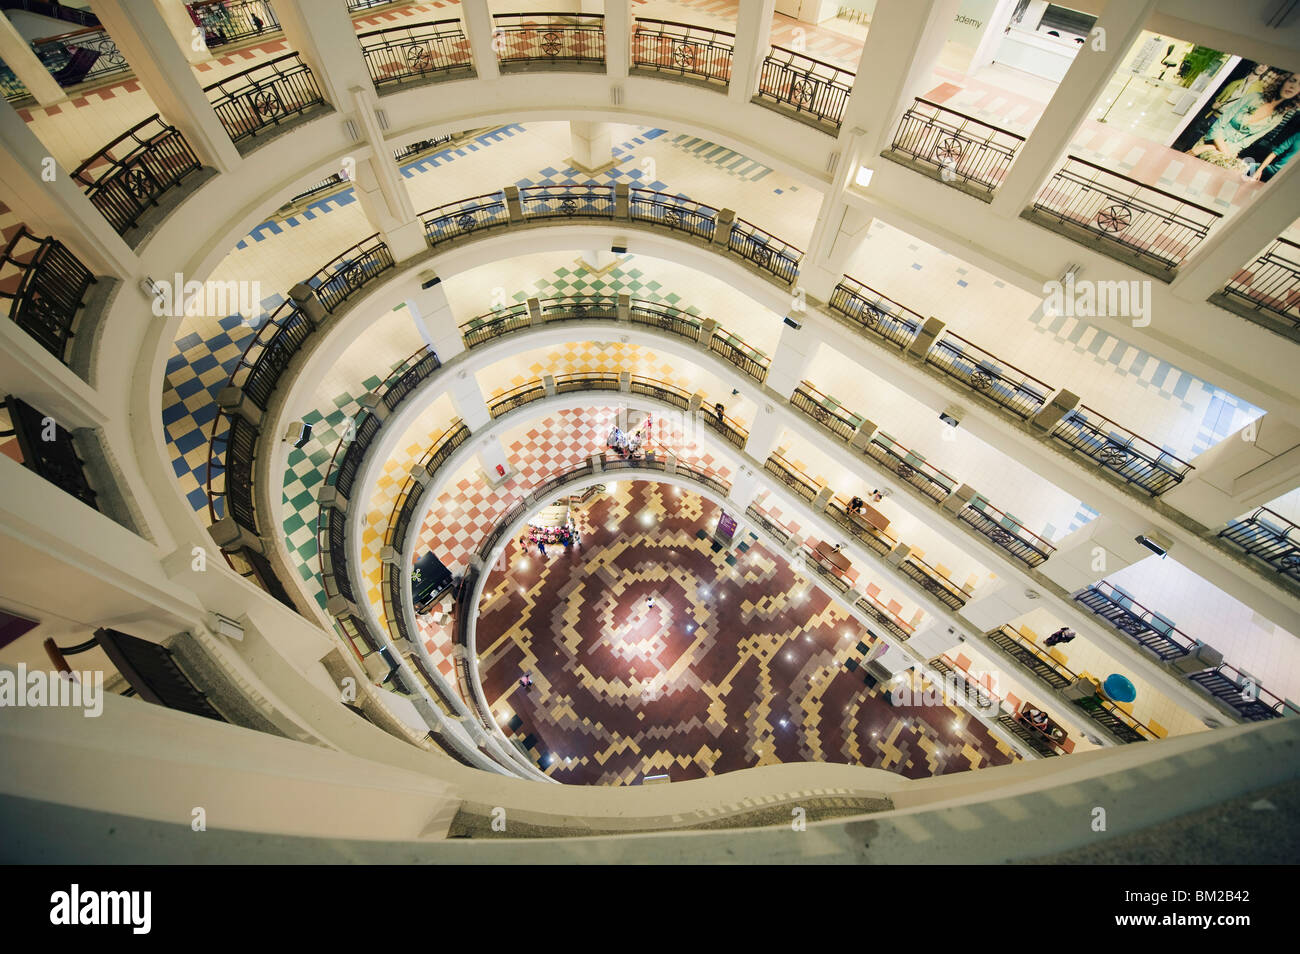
(863, 176)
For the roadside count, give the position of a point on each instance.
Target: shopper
(1062, 635)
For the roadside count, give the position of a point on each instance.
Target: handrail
(264, 95)
(1271, 282)
(430, 49)
(1001, 382)
(349, 271)
(799, 83)
(1267, 536)
(961, 146)
(51, 288)
(838, 419)
(877, 313)
(1128, 455)
(577, 38)
(670, 47)
(125, 177)
(969, 118)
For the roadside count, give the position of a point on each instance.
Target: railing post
(308, 303)
(722, 227)
(329, 496)
(707, 329)
(695, 403)
(514, 210)
(896, 556)
(230, 536)
(956, 501)
(534, 312)
(548, 385)
(234, 401)
(1061, 404)
(622, 202)
(862, 435)
(926, 336)
(822, 500)
(625, 381)
(624, 307)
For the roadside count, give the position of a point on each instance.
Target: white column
(1259, 463)
(764, 434)
(1100, 55)
(467, 399)
(189, 37)
(380, 187)
(18, 56)
(592, 144)
(794, 349)
(1235, 243)
(323, 35)
(618, 39)
(1000, 605)
(1094, 551)
(433, 316)
(56, 207)
(753, 40)
(146, 41)
(478, 28)
(902, 48)
(494, 460)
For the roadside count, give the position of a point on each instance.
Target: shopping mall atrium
(650, 430)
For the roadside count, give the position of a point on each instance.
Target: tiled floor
(651, 653)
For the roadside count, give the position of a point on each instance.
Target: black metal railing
(350, 271)
(526, 41)
(494, 324)
(792, 477)
(873, 538)
(464, 217)
(269, 352)
(55, 11)
(47, 449)
(748, 359)
(13, 89)
(806, 86)
(666, 317)
(229, 21)
(1267, 536)
(1149, 629)
(517, 397)
(586, 200)
(1271, 283)
(232, 446)
(408, 376)
(46, 285)
(82, 56)
(335, 181)
(1007, 532)
(1131, 458)
(682, 50)
(674, 212)
(126, 177)
(961, 147)
(264, 96)
(934, 583)
(825, 411)
(1002, 383)
(1233, 687)
(579, 308)
(924, 476)
(413, 149)
(765, 250)
(1151, 223)
(436, 50)
(876, 313)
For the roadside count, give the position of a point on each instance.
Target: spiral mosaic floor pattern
(652, 650)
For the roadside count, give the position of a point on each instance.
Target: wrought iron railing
(1267, 536)
(682, 50)
(748, 359)
(765, 250)
(464, 217)
(666, 317)
(924, 476)
(269, 352)
(825, 411)
(495, 323)
(127, 177)
(1151, 630)
(960, 146)
(1271, 283)
(877, 540)
(674, 212)
(876, 313)
(350, 271)
(933, 582)
(264, 96)
(1002, 383)
(1131, 458)
(228, 481)
(792, 477)
(88, 55)
(806, 86)
(1149, 222)
(1251, 700)
(526, 41)
(579, 308)
(55, 11)
(229, 21)
(408, 376)
(47, 449)
(46, 285)
(11, 86)
(1007, 532)
(435, 50)
(585, 200)
(413, 149)
(335, 181)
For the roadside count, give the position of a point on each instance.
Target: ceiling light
(863, 177)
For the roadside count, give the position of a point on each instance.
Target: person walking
(1062, 635)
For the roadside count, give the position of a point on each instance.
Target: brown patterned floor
(736, 662)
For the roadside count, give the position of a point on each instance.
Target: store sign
(726, 525)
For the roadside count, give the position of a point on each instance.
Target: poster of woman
(1251, 124)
